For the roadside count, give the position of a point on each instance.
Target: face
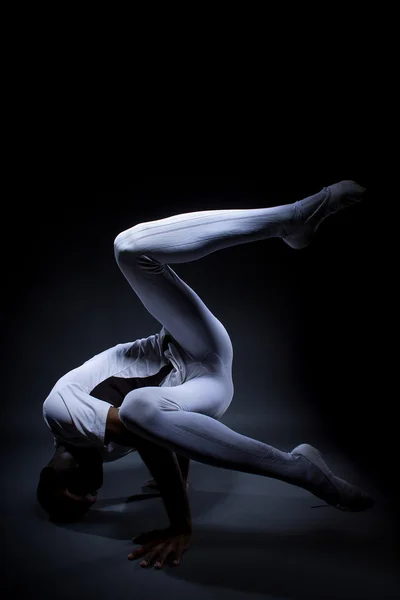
(70, 483)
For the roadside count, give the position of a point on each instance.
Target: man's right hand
(161, 546)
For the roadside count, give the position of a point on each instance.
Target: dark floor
(253, 537)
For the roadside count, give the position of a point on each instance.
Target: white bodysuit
(172, 387)
(77, 406)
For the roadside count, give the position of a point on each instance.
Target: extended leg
(153, 414)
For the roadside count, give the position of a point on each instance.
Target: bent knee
(137, 408)
(130, 244)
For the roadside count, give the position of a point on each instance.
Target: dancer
(164, 395)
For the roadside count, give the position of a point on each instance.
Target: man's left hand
(160, 546)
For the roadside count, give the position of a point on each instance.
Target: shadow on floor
(308, 565)
(311, 563)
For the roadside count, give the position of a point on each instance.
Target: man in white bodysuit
(164, 395)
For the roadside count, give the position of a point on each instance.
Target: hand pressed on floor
(160, 546)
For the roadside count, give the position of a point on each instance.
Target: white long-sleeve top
(76, 408)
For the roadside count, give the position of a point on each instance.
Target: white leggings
(184, 418)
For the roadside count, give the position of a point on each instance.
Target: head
(68, 485)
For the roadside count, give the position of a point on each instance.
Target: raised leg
(183, 419)
(144, 251)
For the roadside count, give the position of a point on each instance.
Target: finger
(145, 548)
(138, 552)
(179, 553)
(150, 556)
(163, 555)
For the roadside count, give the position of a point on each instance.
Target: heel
(301, 239)
(296, 242)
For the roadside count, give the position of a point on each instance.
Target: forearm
(184, 464)
(164, 467)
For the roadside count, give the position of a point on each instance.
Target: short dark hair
(49, 494)
(79, 472)
(49, 480)
(51, 498)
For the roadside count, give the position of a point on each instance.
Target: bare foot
(152, 483)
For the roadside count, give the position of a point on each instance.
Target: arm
(184, 464)
(164, 467)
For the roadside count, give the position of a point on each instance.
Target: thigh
(209, 395)
(178, 308)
